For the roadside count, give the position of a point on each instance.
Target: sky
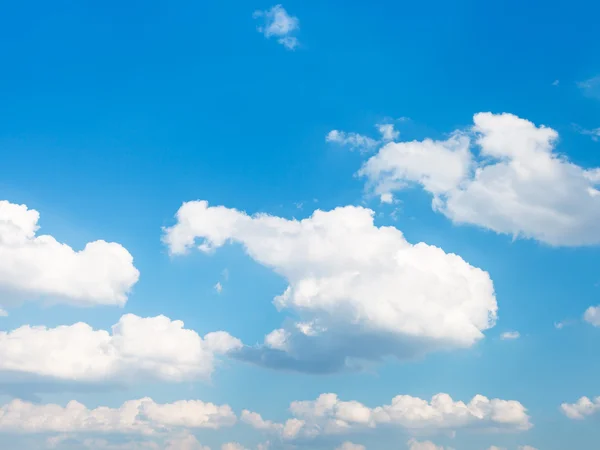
(310, 225)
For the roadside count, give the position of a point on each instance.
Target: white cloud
(555, 82)
(593, 133)
(330, 415)
(582, 408)
(218, 287)
(527, 447)
(514, 184)
(353, 140)
(361, 292)
(360, 142)
(493, 447)
(509, 335)
(3, 313)
(279, 24)
(388, 133)
(592, 315)
(181, 440)
(156, 348)
(350, 446)
(233, 446)
(591, 86)
(142, 416)
(413, 444)
(35, 265)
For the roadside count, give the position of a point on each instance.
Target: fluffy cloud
(180, 440)
(413, 444)
(330, 415)
(592, 315)
(510, 335)
(35, 265)
(142, 416)
(515, 183)
(154, 347)
(582, 408)
(350, 446)
(360, 292)
(527, 447)
(279, 24)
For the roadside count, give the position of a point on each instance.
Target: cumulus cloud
(527, 447)
(510, 335)
(142, 416)
(592, 315)
(38, 266)
(582, 408)
(148, 348)
(413, 444)
(502, 174)
(330, 415)
(279, 24)
(350, 446)
(359, 292)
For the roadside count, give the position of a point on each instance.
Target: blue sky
(112, 116)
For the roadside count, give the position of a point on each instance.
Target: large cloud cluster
(502, 174)
(358, 291)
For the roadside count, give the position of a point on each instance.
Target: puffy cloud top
(360, 291)
(151, 348)
(502, 174)
(38, 265)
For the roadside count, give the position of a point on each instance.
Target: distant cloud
(350, 446)
(143, 416)
(279, 24)
(555, 83)
(594, 133)
(509, 335)
(413, 444)
(3, 313)
(354, 141)
(218, 287)
(592, 315)
(591, 86)
(582, 408)
(329, 415)
(363, 143)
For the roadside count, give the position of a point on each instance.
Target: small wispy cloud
(279, 24)
(218, 287)
(594, 133)
(555, 82)
(3, 313)
(510, 335)
(356, 141)
(591, 86)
